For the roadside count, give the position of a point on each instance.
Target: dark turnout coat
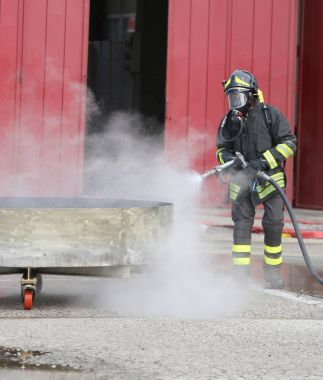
(263, 135)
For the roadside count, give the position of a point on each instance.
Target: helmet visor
(236, 100)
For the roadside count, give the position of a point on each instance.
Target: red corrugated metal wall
(43, 58)
(207, 40)
(310, 129)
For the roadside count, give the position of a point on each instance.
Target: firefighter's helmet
(242, 90)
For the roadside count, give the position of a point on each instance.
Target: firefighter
(262, 134)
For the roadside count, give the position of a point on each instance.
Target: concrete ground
(244, 333)
(271, 337)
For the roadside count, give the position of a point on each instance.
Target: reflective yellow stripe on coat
(270, 159)
(285, 150)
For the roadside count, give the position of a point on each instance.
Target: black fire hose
(291, 213)
(220, 168)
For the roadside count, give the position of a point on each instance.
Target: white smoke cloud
(124, 163)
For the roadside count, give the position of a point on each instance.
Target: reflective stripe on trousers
(273, 255)
(241, 254)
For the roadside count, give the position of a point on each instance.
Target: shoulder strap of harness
(266, 114)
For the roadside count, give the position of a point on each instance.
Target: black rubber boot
(273, 276)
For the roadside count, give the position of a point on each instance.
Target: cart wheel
(28, 299)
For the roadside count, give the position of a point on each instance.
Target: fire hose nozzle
(218, 169)
(208, 173)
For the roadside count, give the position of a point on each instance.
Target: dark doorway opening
(127, 60)
(309, 164)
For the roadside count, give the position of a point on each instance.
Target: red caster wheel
(28, 299)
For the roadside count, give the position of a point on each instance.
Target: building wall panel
(53, 82)
(241, 23)
(178, 80)
(215, 107)
(72, 130)
(10, 55)
(43, 51)
(197, 91)
(283, 66)
(259, 36)
(262, 38)
(278, 90)
(32, 96)
(310, 131)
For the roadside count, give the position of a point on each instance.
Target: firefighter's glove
(259, 165)
(237, 163)
(225, 155)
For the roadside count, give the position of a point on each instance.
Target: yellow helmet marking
(240, 81)
(227, 83)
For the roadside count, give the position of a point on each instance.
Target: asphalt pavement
(165, 325)
(271, 336)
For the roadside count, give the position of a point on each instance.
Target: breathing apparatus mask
(242, 91)
(240, 100)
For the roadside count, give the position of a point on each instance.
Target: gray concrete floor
(244, 333)
(271, 336)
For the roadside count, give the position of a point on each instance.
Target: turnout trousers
(243, 214)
